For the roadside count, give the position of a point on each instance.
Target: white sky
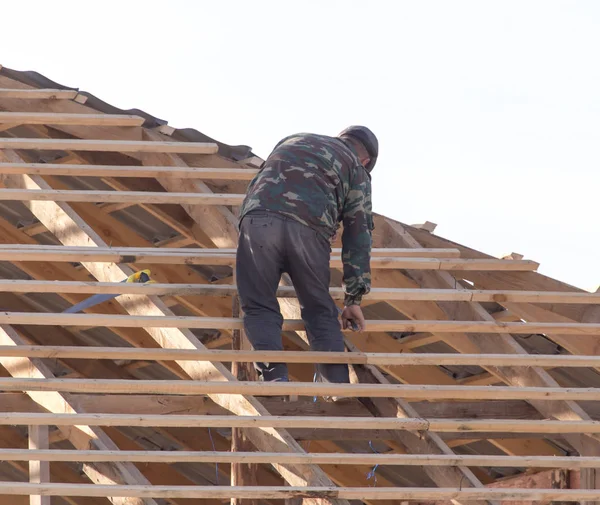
(487, 112)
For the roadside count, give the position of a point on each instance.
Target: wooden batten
(123, 146)
(38, 94)
(78, 170)
(53, 118)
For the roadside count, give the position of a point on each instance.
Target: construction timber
(476, 379)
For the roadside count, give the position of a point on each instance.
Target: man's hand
(353, 313)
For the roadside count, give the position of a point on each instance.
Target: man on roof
(307, 187)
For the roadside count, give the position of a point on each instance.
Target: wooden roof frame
(435, 290)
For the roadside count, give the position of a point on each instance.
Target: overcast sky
(487, 112)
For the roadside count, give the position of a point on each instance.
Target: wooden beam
(387, 252)
(39, 470)
(242, 473)
(57, 118)
(80, 170)
(206, 256)
(244, 356)
(173, 404)
(308, 492)
(406, 391)
(198, 257)
(123, 146)
(307, 422)
(324, 458)
(74, 195)
(374, 325)
(38, 94)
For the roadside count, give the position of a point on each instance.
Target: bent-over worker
(307, 186)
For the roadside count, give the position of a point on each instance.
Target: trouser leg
(259, 265)
(308, 258)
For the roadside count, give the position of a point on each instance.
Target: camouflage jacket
(320, 182)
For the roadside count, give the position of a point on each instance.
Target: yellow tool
(142, 277)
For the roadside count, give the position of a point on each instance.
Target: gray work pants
(269, 245)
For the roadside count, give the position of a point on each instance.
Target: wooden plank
(357, 358)
(39, 470)
(324, 458)
(207, 256)
(274, 492)
(38, 94)
(123, 146)
(169, 404)
(79, 170)
(57, 118)
(72, 195)
(242, 473)
(406, 391)
(388, 252)
(223, 290)
(374, 325)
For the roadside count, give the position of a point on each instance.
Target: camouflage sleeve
(356, 238)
